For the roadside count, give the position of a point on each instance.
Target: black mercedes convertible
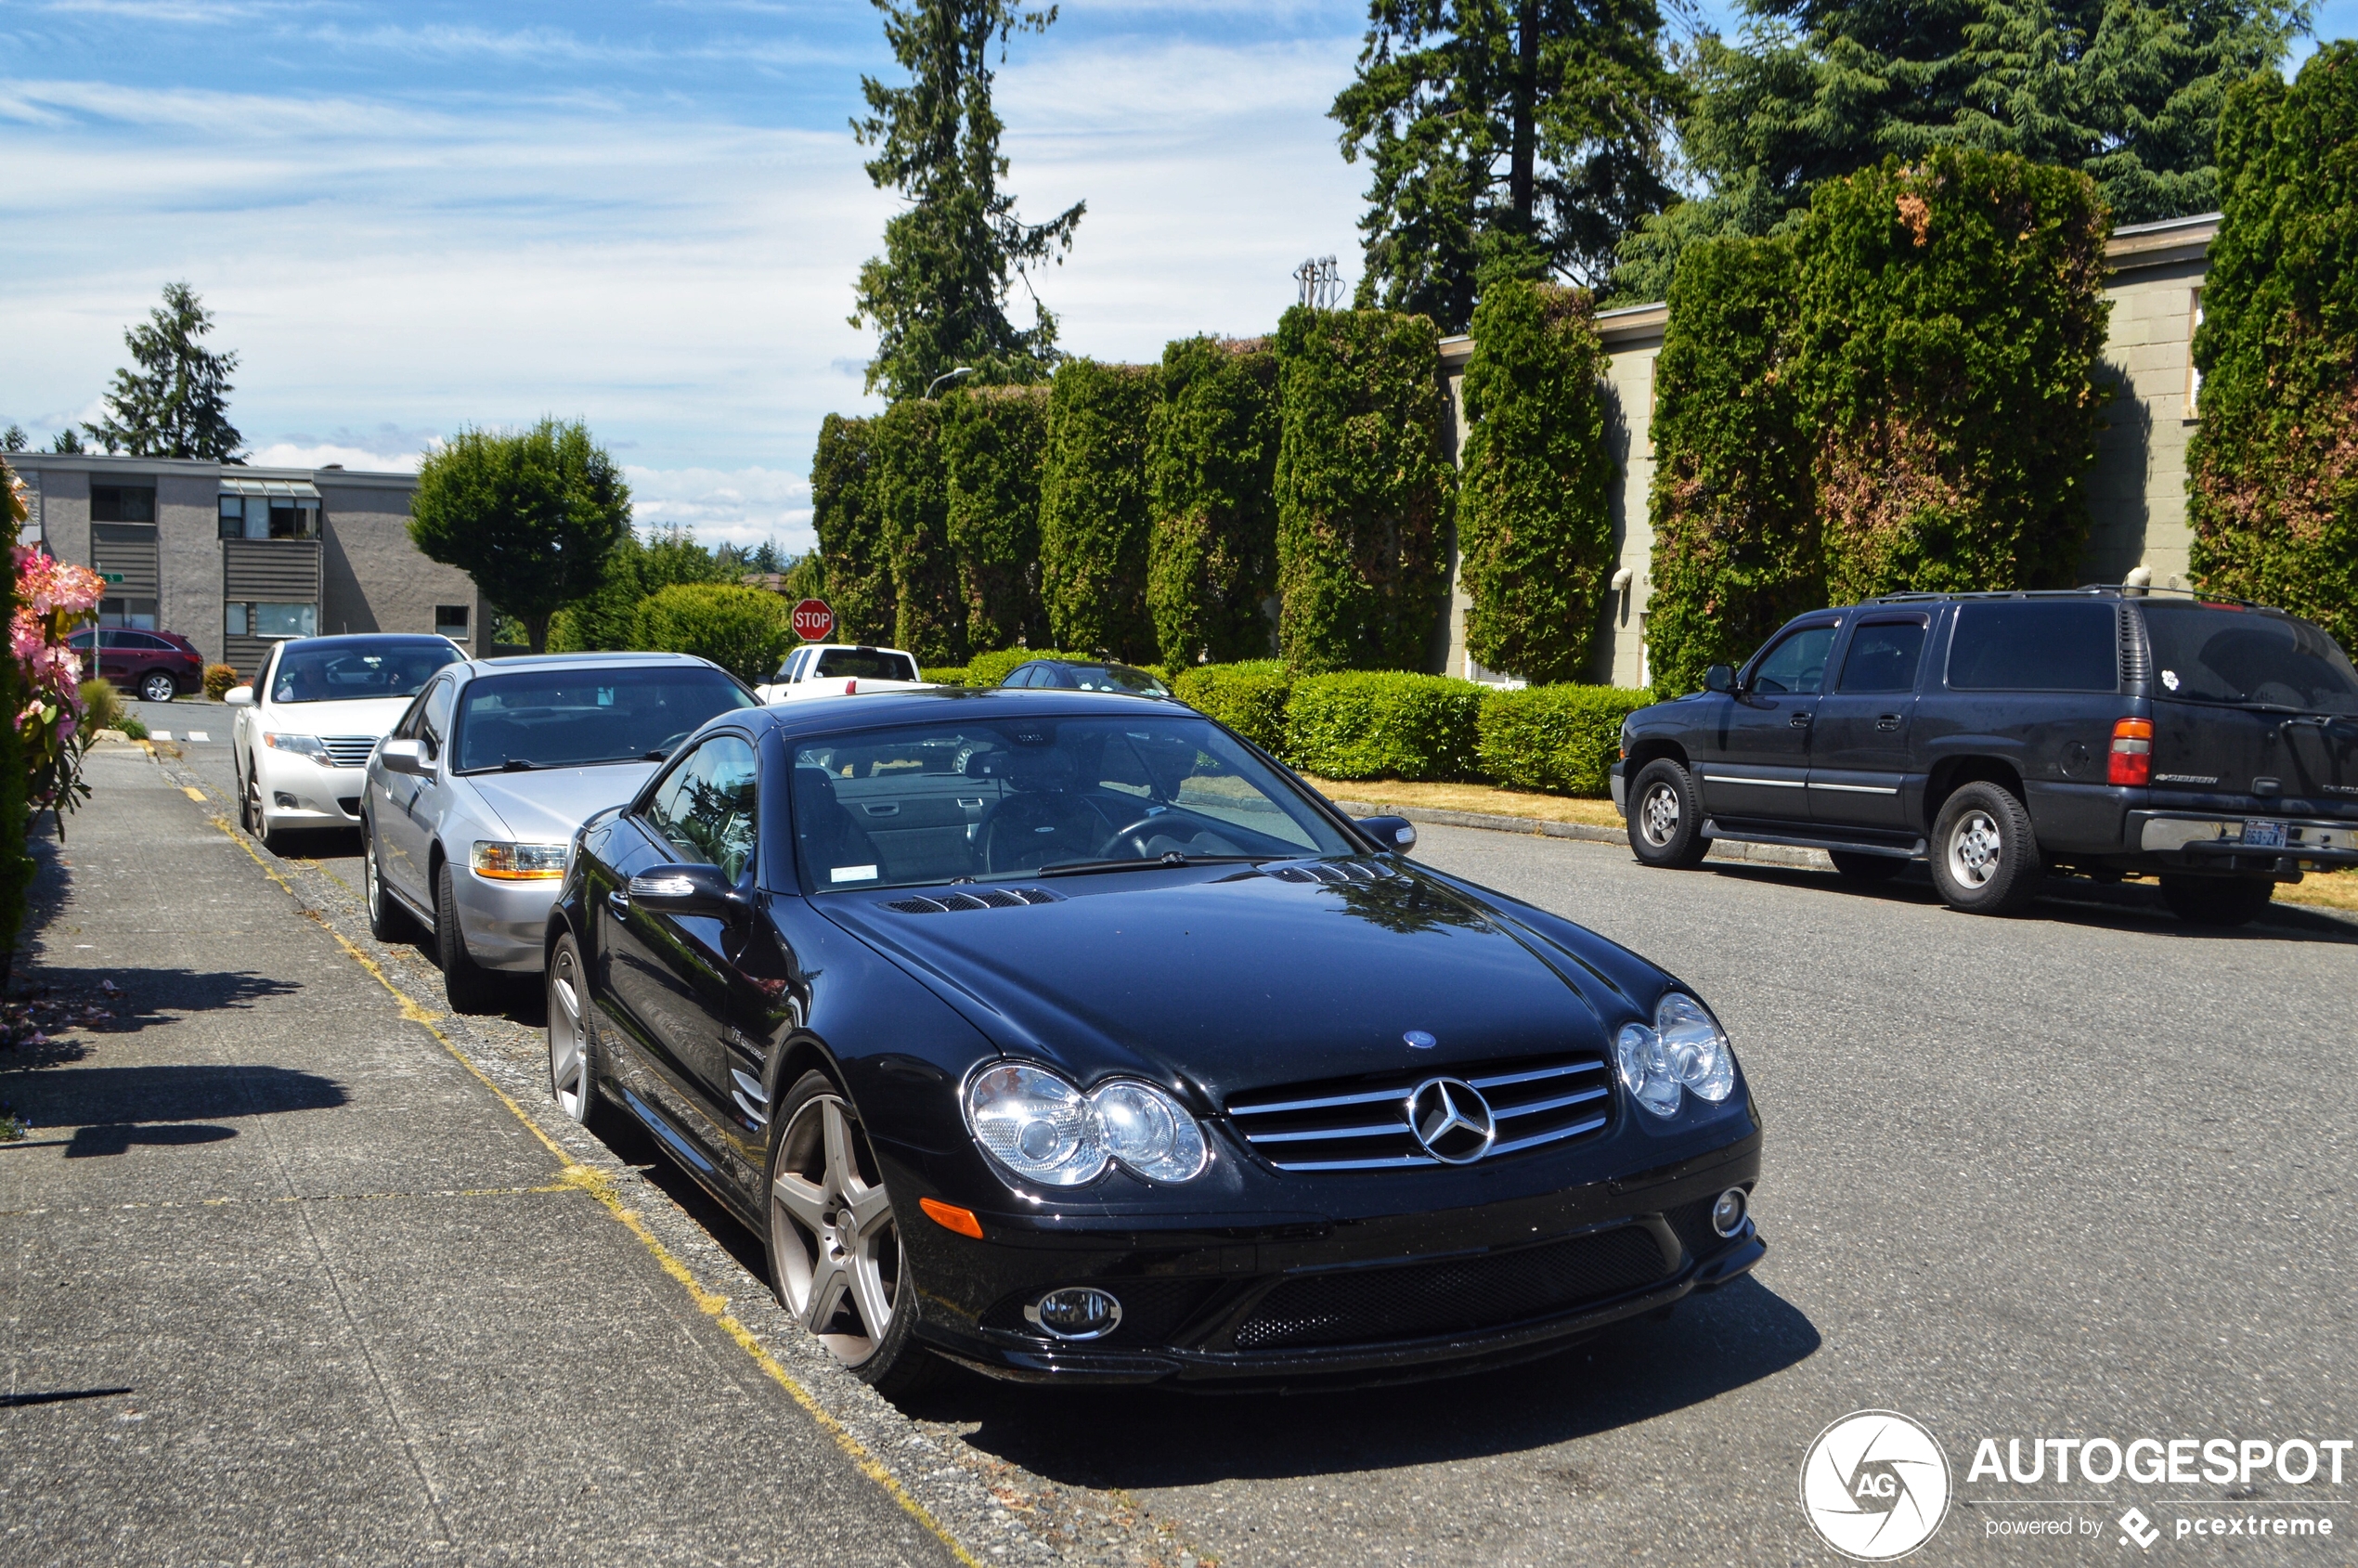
(1067, 1036)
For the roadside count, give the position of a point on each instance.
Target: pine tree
(938, 295)
(175, 404)
(1520, 135)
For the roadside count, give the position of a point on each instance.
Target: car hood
(546, 807)
(372, 716)
(1232, 978)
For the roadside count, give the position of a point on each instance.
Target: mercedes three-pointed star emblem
(1452, 1120)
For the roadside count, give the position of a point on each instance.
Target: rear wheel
(1985, 857)
(1665, 816)
(2217, 901)
(834, 1246)
(159, 687)
(1856, 867)
(470, 986)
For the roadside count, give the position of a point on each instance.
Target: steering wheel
(1133, 832)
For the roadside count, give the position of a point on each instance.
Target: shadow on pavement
(629, 1142)
(117, 1106)
(1634, 1372)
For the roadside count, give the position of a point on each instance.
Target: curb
(1587, 832)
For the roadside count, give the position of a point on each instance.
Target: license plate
(2264, 835)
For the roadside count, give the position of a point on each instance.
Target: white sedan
(303, 731)
(836, 669)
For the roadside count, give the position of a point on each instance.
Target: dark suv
(2104, 731)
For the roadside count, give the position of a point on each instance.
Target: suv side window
(1797, 664)
(705, 810)
(2015, 645)
(1883, 657)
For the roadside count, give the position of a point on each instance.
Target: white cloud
(288, 454)
(744, 506)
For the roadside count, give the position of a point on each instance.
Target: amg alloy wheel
(572, 1078)
(835, 1246)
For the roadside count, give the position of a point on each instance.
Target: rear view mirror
(239, 696)
(685, 889)
(1392, 833)
(402, 757)
(1719, 678)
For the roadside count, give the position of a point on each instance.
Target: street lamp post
(948, 376)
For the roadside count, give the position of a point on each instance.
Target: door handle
(1887, 722)
(618, 901)
(889, 810)
(1800, 721)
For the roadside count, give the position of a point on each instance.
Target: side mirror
(686, 889)
(1392, 832)
(239, 696)
(1719, 678)
(403, 756)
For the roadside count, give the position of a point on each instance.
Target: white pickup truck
(836, 669)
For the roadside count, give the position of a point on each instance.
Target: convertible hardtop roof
(870, 710)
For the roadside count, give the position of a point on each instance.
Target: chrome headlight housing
(1041, 1129)
(1685, 1052)
(498, 861)
(299, 746)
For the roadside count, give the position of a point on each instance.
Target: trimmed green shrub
(1379, 724)
(2272, 476)
(1250, 697)
(850, 526)
(993, 441)
(1364, 489)
(744, 630)
(953, 676)
(609, 618)
(1212, 469)
(1951, 312)
(1560, 739)
(1735, 522)
(1092, 508)
(911, 492)
(1535, 518)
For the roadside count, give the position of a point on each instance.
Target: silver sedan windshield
(579, 717)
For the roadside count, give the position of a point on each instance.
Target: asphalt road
(2079, 1174)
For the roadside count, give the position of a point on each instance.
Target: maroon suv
(157, 666)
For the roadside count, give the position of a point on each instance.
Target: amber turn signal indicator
(949, 1216)
(2132, 752)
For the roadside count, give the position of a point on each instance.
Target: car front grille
(349, 751)
(1461, 1295)
(1362, 1124)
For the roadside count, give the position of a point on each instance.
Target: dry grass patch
(2332, 889)
(1469, 797)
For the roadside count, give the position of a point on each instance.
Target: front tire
(835, 1256)
(2217, 901)
(1985, 856)
(257, 814)
(159, 688)
(1665, 817)
(572, 1044)
(1855, 867)
(470, 986)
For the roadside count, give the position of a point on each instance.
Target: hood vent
(1332, 873)
(982, 898)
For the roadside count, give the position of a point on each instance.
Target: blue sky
(648, 216)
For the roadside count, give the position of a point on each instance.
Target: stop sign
(813, 620)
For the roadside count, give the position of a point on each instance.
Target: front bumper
(1620, 788)
(1293, 1298)
(506, 924)
(2200, 842)
(299, 793)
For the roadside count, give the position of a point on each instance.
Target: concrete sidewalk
(281, 1279)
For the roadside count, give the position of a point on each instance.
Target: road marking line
(600, 1186)
(192, 793)
(201, 735)
(158, 735)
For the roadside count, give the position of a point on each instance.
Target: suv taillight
(2132, 752)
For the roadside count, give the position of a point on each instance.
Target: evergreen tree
(68, 440)
(938, 295)
(2127, 91)
(1524, 135)
(176, 403)
(14, 439)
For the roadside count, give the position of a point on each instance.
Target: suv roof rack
(2092, 590)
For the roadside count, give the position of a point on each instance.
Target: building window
(295, 520)
(246, 514)
(233, 517)
(253, 619)
(136, 613)
(450, 620)
(122, 503)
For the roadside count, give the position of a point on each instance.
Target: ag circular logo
(1875, 1485)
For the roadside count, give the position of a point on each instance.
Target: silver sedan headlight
(1685, 1052)
(1043, 1129)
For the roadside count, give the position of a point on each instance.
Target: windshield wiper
(1162, 862)
(517, 765)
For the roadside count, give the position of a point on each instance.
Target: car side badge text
(1417, 1040)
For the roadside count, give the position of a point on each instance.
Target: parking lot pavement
(287, 1282)
(2074, 1174)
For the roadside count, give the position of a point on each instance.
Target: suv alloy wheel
(1665, 816)
(1985, 856)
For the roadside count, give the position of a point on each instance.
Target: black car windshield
(2219, 654)
(1020, 797)
(1117, 677)
(354, 671)
(576, 717)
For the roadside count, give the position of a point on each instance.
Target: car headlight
(1044, 1130)
(1686, 1051)
(299, 746)
(502, 861)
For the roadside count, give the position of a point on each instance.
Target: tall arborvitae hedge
(1364, 489)
(2273, 487)
(850, 526)
(1735, 526)
(992, 440)
(911, 495)
(1092, 508)
(1211, 465)
(1535, 519)
(1951, 319)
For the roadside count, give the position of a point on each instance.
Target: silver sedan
(470, 803)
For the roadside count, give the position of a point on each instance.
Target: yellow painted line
(193, 792)
(601, 1188)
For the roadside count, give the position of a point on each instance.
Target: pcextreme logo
(1875, 1485)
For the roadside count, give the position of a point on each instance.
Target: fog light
(1727, 1214)
(1077, 1311)
(284, 801)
